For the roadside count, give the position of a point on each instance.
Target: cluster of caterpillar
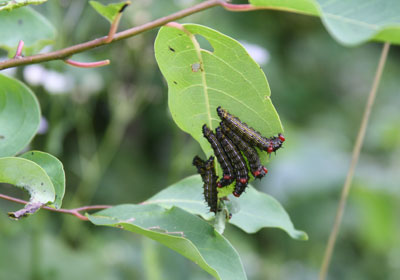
(231, 139)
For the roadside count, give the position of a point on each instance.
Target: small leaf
(257, 210)
(8, 5)
(181, 231)
(350, 22)
(110, 11)
(29, 176)
(54, 170)
(27, 25)
(200, 80)
(19, 116)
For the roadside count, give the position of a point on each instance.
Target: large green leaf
(31, 177)
(19, 116)
(54, 170)
(256, 210)
(200, 80)
(181, 231)
(350, 22)
(8, 5)
(27, 25)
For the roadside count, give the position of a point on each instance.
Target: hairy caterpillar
(250, 135)
(228, 172)
(206, 169)
(249, 152)
(237, 160)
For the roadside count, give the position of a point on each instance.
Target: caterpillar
(237, 160)
(250, 135)
(249, 152)
(227, 169)
(206, 169)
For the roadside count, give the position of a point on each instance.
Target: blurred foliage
(112, 130)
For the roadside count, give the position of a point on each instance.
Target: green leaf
(110, 11)
(257, 210)
(19, 116)
(179, 230)
(54, 170)
(8, 5)
(27, 25)
(31, 177)
(350, 22)
(200, 80)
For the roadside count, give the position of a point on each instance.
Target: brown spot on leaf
(196, 67)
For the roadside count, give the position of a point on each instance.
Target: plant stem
(19, 49)
(87, 64)
(115, 23)
(113, 37)
(74, 211)
(64, 53)
(356, 152)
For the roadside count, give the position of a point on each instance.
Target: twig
(64, 53)
(356, 152)
(113, 37)
(74, 211)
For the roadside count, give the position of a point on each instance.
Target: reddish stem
(87, 64)
(19, 49)
(240, 7)
(115, 23)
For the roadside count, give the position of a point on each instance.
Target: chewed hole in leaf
(204, 43)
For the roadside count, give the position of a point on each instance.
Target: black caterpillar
(206, 169)
(248, 134)
(249, 152)
(227, 168)
(237, 160)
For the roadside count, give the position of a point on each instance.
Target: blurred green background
(112, 130)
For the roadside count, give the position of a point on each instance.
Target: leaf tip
(299, 235)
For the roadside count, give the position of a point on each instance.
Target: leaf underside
(27, 175)
(256, 209)
(54, 169)
(19, 116)
(181, 231)
(28, 25)
(350, 22)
